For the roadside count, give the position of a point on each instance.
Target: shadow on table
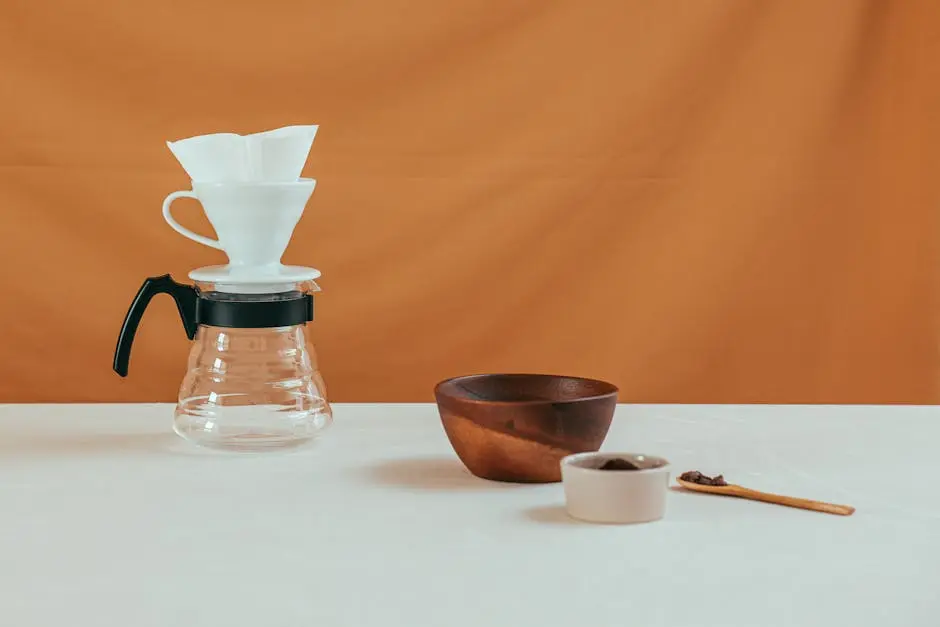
(678, 489)
(550, 515)
(429, 473)
(22, 445)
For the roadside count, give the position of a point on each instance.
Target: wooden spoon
(766, 497)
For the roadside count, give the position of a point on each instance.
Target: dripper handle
(185, 296)
(179, 228)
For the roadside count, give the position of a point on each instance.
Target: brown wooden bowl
(518, 427)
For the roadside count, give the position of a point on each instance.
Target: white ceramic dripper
(254, 221)
(252, 194)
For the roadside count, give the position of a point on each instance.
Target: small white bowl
(615, 496)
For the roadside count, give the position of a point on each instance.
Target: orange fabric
(701, 201)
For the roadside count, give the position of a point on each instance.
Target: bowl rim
(571, 461)
(468, 399)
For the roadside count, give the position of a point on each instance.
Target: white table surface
(109, 519)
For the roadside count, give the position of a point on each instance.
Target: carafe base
(252, 443)
(250, 428)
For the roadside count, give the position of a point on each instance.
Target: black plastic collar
(243, 312)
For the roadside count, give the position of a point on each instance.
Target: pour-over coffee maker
(252, 381)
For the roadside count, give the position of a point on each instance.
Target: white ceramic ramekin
(615, 496)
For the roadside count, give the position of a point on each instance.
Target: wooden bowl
(518, 427)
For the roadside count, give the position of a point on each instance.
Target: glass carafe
(251, 389)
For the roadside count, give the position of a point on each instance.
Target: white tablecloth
(108, 518)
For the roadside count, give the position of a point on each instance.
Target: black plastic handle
(185, 296)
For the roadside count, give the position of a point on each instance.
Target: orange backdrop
(700, 200)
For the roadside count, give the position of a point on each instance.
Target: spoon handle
(789, 501)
